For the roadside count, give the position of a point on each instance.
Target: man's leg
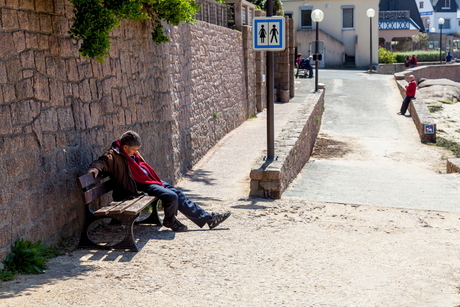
(310, 75)
(405, 105)
(188, 208)
(168, 197)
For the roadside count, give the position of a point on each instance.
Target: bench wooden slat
(106, 209)
(139, 205)
(96, 192)
(88, 179)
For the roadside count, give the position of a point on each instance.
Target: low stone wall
(440, 71)
(420, 115)
(390, 69)
(294, 145)
(453, 165)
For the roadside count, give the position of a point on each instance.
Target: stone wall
(269, 179)
(59, 111)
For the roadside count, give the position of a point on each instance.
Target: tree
(277, 6)
(421, 40)
(95, 19)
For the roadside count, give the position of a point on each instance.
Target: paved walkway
(387, 166)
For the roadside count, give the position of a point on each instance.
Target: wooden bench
(124, 212)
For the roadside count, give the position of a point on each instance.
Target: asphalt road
(385, 164)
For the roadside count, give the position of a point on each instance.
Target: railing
(212, 12)
(394, 24)
(240, 12)
(394, 14)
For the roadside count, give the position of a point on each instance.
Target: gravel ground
(268, 253)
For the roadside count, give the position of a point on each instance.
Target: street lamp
(317, 16)
(370, 13)
(440, 22)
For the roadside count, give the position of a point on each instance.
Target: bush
(386, 56)
(422, 56)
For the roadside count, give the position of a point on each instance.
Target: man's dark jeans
(173, 200)
(405, 104)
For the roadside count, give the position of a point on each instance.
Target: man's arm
(103, 164)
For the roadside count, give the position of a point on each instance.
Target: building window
(420, 5)
(446, 24)
(347, 17)
(305, 17)
(446, 4)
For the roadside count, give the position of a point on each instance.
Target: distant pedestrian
(297, 63)
(407, 61)
(306, 64)
(413, 61)
(448, 58)
(410, 94)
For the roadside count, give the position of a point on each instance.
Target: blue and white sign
(269, 33)
(426, 13)
(429, 129)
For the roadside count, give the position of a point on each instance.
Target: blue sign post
(269, 33)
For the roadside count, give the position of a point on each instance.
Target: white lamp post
(317, 16)
(440, 22)
(370, 13)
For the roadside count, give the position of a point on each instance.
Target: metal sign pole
(270, 102)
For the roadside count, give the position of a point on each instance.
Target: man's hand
(95, 171)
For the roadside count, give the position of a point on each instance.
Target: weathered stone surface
(67, 109)
(439, 90)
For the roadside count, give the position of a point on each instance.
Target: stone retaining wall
(294, 145)
(59, 111)
(453, 165)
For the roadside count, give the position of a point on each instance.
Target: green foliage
(386, 56)
(422, 56)
(95, 19)
(6, 275)
(28, 258)
(450, 145)
(278, 8)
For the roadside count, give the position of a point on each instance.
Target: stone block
(256, 174)
(5, 120)
(453, 165)
(41, 87)
(48, 119)
(46, 25)
(24, 89)
(13, 69)
(56, 92)
(65, 118)
(31, 39)
(24, 111)
(9, 93)
(9, 19)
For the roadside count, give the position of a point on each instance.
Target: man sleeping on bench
(132, 175)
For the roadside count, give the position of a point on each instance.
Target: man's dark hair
(130, 138)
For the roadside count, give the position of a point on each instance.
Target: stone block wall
(284, 67)
(269, 179)
(59, 111)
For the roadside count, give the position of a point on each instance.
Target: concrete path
(386, 165)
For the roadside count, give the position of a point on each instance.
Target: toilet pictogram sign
(269, 33)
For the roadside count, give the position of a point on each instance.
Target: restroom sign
(269, 33)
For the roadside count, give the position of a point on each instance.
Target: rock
(439, 90)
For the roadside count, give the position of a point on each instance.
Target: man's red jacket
(411, 88)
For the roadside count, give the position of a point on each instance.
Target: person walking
(410, 94)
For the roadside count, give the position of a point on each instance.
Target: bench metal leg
(126, 220)
(154, 217)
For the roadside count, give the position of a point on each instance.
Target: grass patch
(450, 145)
(458, 130)
(440, 130)
(435, 108)
(447, 101)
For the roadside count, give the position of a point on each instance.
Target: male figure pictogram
(274, 33)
